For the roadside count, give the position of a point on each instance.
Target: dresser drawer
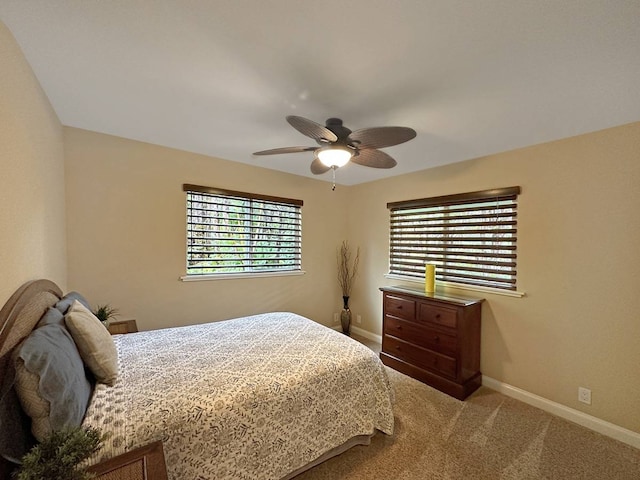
(421, 336)
(419, 356)
(444, 317)
(400, 307)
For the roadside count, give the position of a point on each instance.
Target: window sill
(229, 276)
(460, 286)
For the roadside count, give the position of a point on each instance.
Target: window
(241, 233)
(470, 237)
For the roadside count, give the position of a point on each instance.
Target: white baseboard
(362, 333)
(366, 334)
(606, 428)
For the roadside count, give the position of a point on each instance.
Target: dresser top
(432, 296)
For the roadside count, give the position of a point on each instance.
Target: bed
(261, 397)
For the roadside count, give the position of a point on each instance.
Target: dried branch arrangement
(347, 269)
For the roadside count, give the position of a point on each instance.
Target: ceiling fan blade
(311, 129)
(374, 158)
(380, 137)
(317, 167)
(278, 151)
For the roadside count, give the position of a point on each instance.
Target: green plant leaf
(105, 312)
(59, 456)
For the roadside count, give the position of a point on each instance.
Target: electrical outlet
(336, 318)
(584, 395)
(358, 319)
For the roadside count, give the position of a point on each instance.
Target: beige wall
(126, 234)
(578, 263)
(32, 215)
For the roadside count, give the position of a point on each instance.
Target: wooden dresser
(433, 338)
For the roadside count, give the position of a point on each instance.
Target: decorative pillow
(50, 380)
(94, 342)
(52, 316)
(66, 302)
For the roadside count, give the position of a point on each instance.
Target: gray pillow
(66, 301)
(52, 316)
(50, 380)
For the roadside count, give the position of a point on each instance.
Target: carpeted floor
(489, 436)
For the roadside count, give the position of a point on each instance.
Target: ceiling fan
(339, 145)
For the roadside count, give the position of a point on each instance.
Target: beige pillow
(37, 408)
(94, 342)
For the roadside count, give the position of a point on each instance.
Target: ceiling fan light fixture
(333, 156)
(339, 145)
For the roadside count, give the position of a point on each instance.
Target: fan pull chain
(333, 170)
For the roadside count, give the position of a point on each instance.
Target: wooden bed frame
(18, 318)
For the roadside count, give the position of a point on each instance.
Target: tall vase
(345, 317)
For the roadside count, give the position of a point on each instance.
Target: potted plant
(347, 270)
(60, 455)
(104, 313)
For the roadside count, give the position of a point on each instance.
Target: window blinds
(235, 232)
(471, 238)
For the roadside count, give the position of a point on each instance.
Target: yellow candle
(429, 278)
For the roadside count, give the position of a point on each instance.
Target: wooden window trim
(187, 187)
(456, 198)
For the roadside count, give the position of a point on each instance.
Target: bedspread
(251, 398)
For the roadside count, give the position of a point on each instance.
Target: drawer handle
(437, 315)
(398, 347)
(436, 339)
(399, 307)
(399, 327)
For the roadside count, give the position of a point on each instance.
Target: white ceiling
(472, 77)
